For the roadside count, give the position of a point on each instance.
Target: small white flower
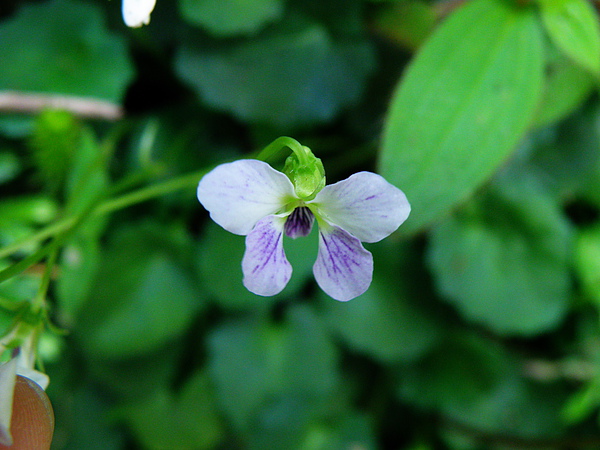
(250, 198)
(137, 12)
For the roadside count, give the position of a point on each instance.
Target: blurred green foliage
(480, 329)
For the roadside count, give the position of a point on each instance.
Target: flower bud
(306, 172)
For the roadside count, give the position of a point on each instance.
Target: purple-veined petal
(299, 223)
(344, 269)
(365, 205)
(266, 269)
(238, 194)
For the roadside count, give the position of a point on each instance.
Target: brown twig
(89, 108)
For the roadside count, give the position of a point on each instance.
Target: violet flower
(250, 198)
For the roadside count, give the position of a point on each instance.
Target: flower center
(299, 222)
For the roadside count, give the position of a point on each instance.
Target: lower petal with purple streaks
(265, 266)
(344, 269)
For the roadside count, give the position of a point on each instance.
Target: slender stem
(123, 201)
(46, 250)
(105, 207)
(149, 192)
(277, 145)
(41, 235)
(39, 300)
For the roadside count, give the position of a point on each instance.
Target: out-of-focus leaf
(460, 370)
(138, 377)
(409, 23)
(84, 420)
(252, 361)
(78, 267)
(291, 423)
(573, 26)
(462, 106)
(478, 384)
(569, 155)
(231, 17)
(16, 127)
(185, 420)
(30, 210)
(87, 179)
(295, 75)
(583, 402)
(10, 166)
(53, 144)
(220, 264)
(19, 218)
(86, 183)
(62, 46)
(14, 291)
(504, 262)
(387, 321)
(144, 296)
(587, 262)
(566, 88)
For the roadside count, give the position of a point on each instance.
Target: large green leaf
(252, 361)
(476, 383)
(231, 17)
(144, 296)
(184, 420)
(294, 75)
(505, 261)
(567, 87)
(62, 46)
(390, 321)
(462, 106)
(573, 27)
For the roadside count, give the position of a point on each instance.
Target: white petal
(365, 205)
(8, 378)
(240, 193)
(344, 269)
(266, 269)
(137, 12)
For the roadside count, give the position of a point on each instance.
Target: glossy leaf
(462, 106)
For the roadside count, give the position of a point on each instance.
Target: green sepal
(305, 171)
